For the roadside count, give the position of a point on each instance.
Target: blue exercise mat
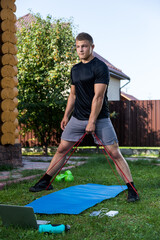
(75, 199)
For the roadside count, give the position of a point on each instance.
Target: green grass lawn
(135, 221)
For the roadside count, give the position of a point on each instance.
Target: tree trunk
(45, 150)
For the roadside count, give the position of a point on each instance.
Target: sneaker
(40, 186)
(132, 196)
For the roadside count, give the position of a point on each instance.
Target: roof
(26, 19)
(125, 96)
(114, 71)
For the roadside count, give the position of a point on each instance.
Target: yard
(135, 221)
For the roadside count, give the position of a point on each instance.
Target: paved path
(34, 162)
(42, 163)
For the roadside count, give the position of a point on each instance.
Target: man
(89, 104)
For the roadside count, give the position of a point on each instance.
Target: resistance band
(106, 151)
(109, 163)
(99, 141)
(74, 145)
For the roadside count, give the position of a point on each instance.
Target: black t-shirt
(84, 76)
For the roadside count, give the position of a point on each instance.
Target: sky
(126, 33)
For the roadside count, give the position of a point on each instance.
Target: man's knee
(62, 149)
(64, 146)
(114, 151)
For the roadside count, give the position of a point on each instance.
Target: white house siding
(113, 89)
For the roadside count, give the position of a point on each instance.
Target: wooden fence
(29, 139)
(137, 124)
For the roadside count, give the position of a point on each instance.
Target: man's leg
(123, 165)
(56, 163)
(121, 162)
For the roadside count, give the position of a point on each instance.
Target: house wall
(10, 149)
(113, 89)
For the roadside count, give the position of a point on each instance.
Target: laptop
(19, 216)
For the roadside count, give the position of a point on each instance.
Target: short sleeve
(102, 74)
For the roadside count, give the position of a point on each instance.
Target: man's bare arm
(69, 107)
(97, 102)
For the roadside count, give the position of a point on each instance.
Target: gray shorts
(75, 129)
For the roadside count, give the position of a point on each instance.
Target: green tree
(46, 53)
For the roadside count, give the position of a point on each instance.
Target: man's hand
(64, 122)
(90, 129)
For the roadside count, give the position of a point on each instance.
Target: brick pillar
(10, 148)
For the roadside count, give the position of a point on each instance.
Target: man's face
(84, 49)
